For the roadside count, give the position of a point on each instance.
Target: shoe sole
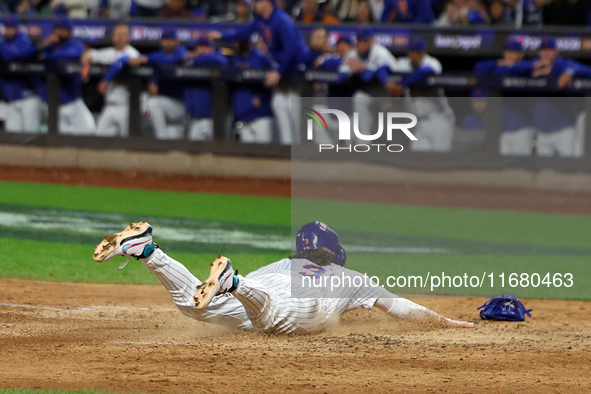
(209, 289)
(109, 245)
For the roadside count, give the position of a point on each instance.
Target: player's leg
(136, 241)
(266, 299)
(76, 119)
(107, 125)
(544, 144)
(31, 110)
(564, 141)
(14, 118)
(258, 131)
(156, 106)
(201, 129)
(423, 142)
(281, 109)
(441, 127)
(83, 119)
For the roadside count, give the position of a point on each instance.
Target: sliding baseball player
(265, 299)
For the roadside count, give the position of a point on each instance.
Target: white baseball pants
(114, 121)
(286, 103)
(24, 115)
(76, 119)
(258, 131)
(560, 142)
(517, 143)
(164, 111)
(201, 129)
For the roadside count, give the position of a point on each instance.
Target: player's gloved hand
(456, 323)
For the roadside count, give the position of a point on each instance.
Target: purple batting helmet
(317, 235)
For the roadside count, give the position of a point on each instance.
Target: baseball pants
(286, 103)
(24, 115)
(517, 143)
(201, 129)
(560, 142)
(76, 119)
(258, 131)
(165, 110)
(264, 302)
(114, 121)
(434, 133)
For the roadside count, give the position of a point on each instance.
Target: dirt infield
(132, 339)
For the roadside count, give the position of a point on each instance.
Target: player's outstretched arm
(406, 309)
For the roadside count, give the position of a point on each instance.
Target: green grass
(219, 207)
(59, 262)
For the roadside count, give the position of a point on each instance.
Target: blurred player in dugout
(288, 48)
(20, 92)
(555, 121)
(74, 116)
(114, 118)
(166, 100)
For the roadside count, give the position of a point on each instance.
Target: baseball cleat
(130, 242)
(220, 281)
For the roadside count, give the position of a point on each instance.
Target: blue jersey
(172, 88)
(18, 49)
(198, 96)
(473, 122)
(70, 50)
(286, 44)
(252, 101)
(553, 114)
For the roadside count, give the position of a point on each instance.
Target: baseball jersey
(378, 58)
(553, 114)
(198, 95)
(252, 101)
(339, 299)
(424, 106)
(69, 50)
(16, 87)
(285, 42)
(172, 88)
(117, 93)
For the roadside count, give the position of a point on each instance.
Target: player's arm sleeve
(240, 34)
(71, 52)
(23, 51)
(405, 309)
(577, 69)
(485, 67)
(417, 76)
(382, 74)
(116, 68)
(522, 69)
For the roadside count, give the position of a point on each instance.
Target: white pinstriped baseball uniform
(263, 298)
(113, 120)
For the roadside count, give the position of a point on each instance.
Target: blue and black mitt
(505, 307)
